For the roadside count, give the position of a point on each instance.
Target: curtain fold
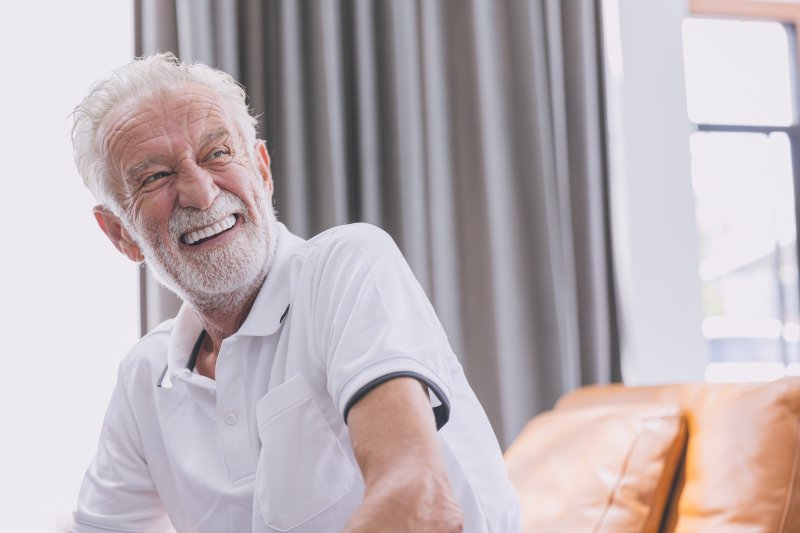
(471, 130)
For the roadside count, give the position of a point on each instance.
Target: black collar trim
(196, 350)
(192, 358)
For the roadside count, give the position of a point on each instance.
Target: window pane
(744, 200)
(737, 72)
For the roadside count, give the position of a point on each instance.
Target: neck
(223, 314)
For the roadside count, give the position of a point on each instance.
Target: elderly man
(304, 386)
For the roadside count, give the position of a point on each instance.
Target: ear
(117, 234)
(262, 164)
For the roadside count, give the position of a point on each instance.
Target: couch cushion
(598, 469)
(742, 471)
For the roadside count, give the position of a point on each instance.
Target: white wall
(652, 199)
(69, 300)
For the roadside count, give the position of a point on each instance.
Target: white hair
(137, 80)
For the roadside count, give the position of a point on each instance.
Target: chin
(219, 276)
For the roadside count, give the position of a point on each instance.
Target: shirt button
(230, 419)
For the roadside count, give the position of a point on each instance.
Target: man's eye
(220, 152)
(155, 177)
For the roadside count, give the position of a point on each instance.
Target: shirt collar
(268, 309)
(264, 318)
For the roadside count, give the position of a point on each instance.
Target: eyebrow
(134, 170)
(216, 133)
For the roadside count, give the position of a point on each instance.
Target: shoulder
(344, 262)
(356, 241)
(360, 232)
(146, 360)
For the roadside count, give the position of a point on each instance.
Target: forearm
(408, 505)
(406, 484)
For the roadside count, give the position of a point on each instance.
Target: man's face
(193, 201)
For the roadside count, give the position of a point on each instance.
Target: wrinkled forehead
(149, 117)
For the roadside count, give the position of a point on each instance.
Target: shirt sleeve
(374, 321)
(117, 493)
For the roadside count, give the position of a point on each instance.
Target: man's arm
(393, 432)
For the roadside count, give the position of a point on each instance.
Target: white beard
(222, 277)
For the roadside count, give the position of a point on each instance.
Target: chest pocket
(302, 470)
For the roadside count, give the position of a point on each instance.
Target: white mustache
(187, 219)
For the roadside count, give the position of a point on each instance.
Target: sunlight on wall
(655, 256)
(69, 300)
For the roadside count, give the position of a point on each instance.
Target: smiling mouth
(195, 237)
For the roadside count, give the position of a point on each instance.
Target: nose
(196, 187)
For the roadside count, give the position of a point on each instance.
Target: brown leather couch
(691, 458)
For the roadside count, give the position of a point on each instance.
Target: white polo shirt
(265, 447)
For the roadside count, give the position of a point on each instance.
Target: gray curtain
(471, 130)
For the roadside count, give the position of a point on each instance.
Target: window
(741, 86)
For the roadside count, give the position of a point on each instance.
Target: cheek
(152, 215)
(246, 186)
(242, 178)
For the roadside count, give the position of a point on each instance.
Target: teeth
(204, 233)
